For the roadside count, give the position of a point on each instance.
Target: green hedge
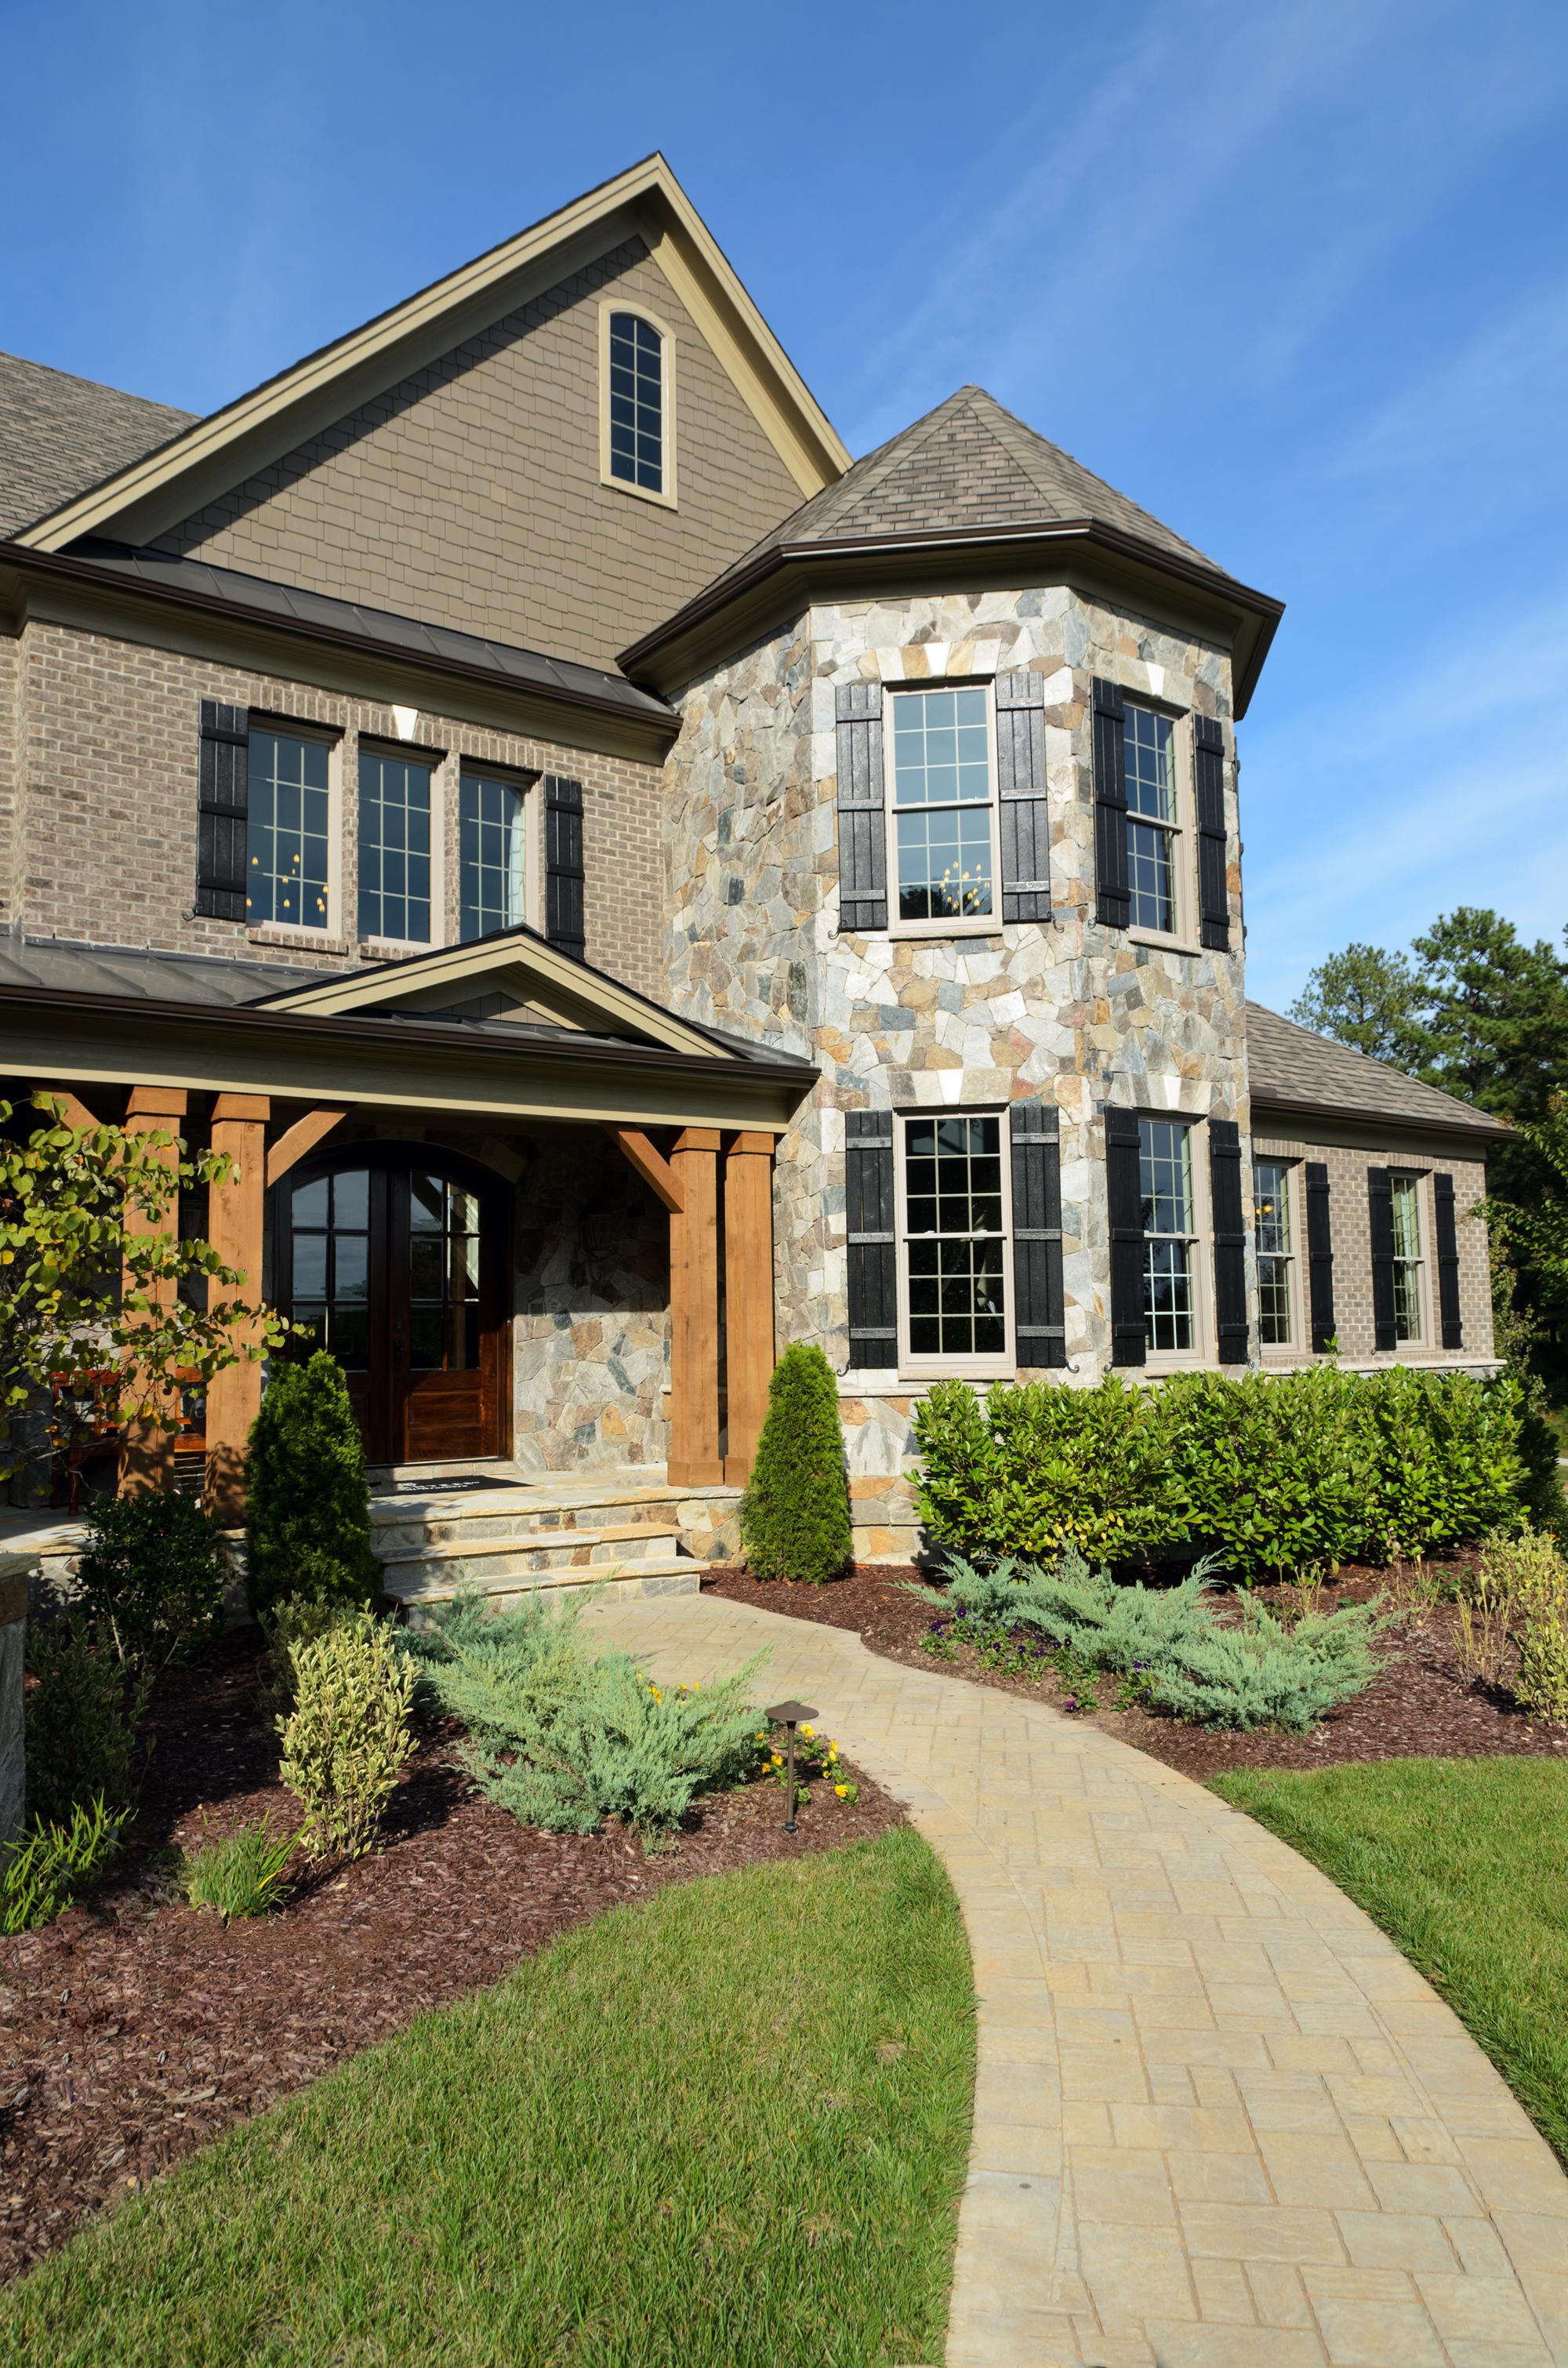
(1275, 1474)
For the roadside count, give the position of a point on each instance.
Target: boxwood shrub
(1271, 1473)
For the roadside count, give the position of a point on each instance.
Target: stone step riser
(403, 1537)
(529, 1553)
(505, 1591)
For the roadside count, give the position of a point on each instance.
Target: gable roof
(214, 454)
(1290, 1068)
(969, 472)
(61, 433)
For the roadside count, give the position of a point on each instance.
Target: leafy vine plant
(95, 1327)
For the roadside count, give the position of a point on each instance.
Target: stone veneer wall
(1068, 1010)
(108, 756)
(1351, 1231)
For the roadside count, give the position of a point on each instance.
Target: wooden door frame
(383, 1155)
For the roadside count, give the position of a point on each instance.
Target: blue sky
(1294, 277)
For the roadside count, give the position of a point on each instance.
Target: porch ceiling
(498, 1070)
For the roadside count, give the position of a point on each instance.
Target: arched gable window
(637, 428)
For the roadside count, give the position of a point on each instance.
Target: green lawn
(726, 2130)
(1464, 1863)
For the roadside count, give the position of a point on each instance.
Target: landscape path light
(791, 1714)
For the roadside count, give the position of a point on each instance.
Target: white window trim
(331, 933)
(1201, 1354)
(1424, 1344)
(441, 804)
(1292, 1351)
(518, 776)
(667, 499)
(983, 925)
(1183, 939)
(1003, 1366)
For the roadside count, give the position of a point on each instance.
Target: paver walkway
(1219, 2119)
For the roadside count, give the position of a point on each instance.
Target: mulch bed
(135, 2029)
(1423, 1702)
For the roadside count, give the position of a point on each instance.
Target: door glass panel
(332, 1266)
(443, 1276)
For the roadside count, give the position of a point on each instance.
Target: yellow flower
(841, 1789)
(808, 1730)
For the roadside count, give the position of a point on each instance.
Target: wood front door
(394, 1260)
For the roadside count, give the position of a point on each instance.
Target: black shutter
(1025, 813)
(1320, 1258)
(1114, 898)
(563, 924)
(222, 811)
(1448, 1262)
(1124, 1201)
(873, 1262)
(1038, 1327)
(862, 826)
(1379, 1199)
(1230, 1240)
(1208, 774)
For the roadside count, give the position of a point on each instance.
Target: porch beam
(77, 1115)
(235, 1229)
(297, 1141)
(654, 1170)
(147, 1447)
(694, 1459)
(748, 1297)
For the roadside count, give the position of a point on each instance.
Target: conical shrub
(795, 1515)
(307, 1502)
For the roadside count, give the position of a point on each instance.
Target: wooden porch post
(694, 1458)
(147, 1450)
(748, 1296)
(233, 1228)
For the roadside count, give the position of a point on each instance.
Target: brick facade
(108, 759)
(471, 494)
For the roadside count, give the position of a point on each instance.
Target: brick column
(748, 1296)
(147, 1451)
(694, 1458)
(233, 1228)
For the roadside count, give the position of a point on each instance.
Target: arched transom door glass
(393, 1260)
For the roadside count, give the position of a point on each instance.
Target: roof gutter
(756, 575)
(91, 574)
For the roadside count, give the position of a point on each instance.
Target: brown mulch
(135, 2029)
(1422, 1703)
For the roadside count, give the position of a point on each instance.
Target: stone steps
(622, 1534)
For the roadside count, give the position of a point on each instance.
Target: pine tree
(308, 1507)
(795, 1515)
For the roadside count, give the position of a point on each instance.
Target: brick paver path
(1219, 2119)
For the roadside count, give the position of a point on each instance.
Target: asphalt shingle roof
(58, 435)
(1290, 1065)
(968, 464)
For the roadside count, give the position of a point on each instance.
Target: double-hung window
(953, 1241)
(492, 854)
(1276, 1252)
(1170, 1235)
(1153, 833)
(1405, 1193)
(942, 813)
(288, 830)
(395, 864)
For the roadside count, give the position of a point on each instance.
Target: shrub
(293, 1621)
(1256, 1673)
(240, 1875)
(45, 1871)
(81, 1715)
(308, 1511)
(346, 1738)
(795, 1515)
(152, 1576)
(563, 1737)
(1521, 1590)
(1272, 1473)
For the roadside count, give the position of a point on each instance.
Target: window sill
(938, 932)
(289, 933)
(638, 493)
(397, 949)
(1160, 944)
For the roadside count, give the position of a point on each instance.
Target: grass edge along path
(1464, 1864)
(724, 2129)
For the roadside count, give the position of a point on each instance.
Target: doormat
(445, 1487)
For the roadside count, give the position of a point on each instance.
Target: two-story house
(631, 885)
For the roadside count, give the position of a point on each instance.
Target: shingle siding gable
(470, 495)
